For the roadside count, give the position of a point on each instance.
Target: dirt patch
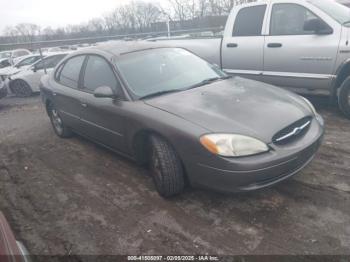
(73, 197)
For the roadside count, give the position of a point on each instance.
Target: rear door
(102, 118)
(297, 58)
(66, 91)
(243, 45)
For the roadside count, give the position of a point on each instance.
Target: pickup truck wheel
(58, 126)
(344, 97)
(166, 168)
(21, 88)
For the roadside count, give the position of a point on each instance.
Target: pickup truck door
(294, 57)
(243, 44)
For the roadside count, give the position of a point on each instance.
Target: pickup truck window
(289, 19)
(335, 10)
(249, 21)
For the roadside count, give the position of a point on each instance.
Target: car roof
(118, 48)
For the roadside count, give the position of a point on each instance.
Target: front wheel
(57, 123)
(344, 97)
(21, 88)
(166, 167)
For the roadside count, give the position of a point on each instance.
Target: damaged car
(26, 82)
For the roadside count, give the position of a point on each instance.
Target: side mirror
(34, 69)
(318, 26)
(104, 92)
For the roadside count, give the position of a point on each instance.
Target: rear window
(249, 21)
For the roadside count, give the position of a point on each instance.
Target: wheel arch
(16, 80)
(48, 102)
(342, 73)
(141, 147)
(140, 144)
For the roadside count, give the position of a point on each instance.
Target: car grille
(292, 132)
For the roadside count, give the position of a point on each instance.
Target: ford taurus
(184, 117)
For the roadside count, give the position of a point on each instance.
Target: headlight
(311, 106)
(229, 145)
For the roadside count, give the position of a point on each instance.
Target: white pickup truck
(302, 45)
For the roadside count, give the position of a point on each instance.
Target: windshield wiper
(202, 83)
(161, 93)
(208, 81)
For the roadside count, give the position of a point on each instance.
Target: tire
(344, 97)
(21, 88)
(57, 123)
(166, 168)
(3, 92)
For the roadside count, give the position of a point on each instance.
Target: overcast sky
(53, 13)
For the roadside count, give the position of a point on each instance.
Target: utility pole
(42, 59)
(168, 25)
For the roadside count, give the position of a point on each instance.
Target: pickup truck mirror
(105, 92)
(318, 26)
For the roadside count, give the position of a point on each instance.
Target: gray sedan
(185, 118)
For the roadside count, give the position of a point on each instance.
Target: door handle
(54, 94)
(232, 45)
(84, 105)
(274, 45)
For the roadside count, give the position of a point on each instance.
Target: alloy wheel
(56, 121)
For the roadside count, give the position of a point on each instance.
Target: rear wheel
(21, 88)
(344, 97)
(58, 126)
(166, 167)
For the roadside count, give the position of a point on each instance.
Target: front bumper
(257, 172)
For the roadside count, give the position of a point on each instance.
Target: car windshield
(337, 11)
(163, 70)
(5, 55)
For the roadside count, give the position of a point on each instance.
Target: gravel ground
(73, 197)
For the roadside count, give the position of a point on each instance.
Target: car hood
(11, 70)
(237, 106)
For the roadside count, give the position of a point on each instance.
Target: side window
(70, 73)
(22, 53)
(49, 62)
(54, 61)
(28, 61)
(249, 21)
(289, 19)
(5, 63)
(15, 54)
(99, 73)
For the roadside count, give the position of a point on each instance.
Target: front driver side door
(296, 58)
